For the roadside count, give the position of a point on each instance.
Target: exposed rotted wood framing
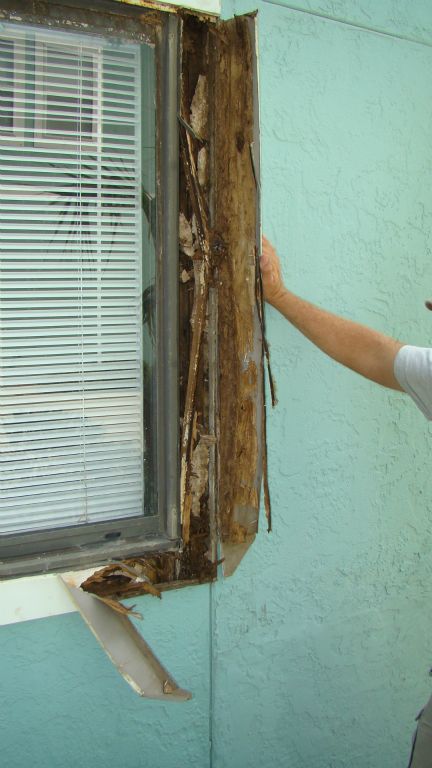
(194, 210)
(220, 210)
(196, 262)
(239, 331)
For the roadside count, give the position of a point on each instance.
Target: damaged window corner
(134, 428)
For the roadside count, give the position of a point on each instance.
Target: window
(130, 305)
(81, 341)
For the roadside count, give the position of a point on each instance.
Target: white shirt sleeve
(413, 370)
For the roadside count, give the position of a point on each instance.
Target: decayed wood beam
(239, 333)
(199, 312)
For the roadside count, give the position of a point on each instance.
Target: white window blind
(71, 410)
(11, 115)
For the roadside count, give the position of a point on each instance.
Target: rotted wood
(149, 575)
(236, 216)
(202, 273)
(191, 143)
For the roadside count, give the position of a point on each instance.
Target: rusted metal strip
(261, 315)
(266, 351)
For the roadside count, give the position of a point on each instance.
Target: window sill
(37, 597)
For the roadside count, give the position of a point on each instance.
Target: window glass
(77, 315)
(6, 83)
(68, 89)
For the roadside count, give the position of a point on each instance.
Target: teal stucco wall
(316, 653)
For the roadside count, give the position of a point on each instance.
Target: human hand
(272, 282)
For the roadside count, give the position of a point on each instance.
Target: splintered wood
(240, 343)
(195, 217)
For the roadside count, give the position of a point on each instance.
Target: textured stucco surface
(316, 653)
(402, 18)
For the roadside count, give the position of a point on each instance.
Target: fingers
(269, 260)
(265, 262)
(266, 246)
(271, 272)
(267, 253)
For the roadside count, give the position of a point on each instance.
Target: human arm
(355, 346)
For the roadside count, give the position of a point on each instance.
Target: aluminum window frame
(83, 546)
